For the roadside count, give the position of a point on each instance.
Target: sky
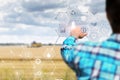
(25, 21)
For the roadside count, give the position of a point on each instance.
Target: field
(25, 63)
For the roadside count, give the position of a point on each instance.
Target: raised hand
(77, 32)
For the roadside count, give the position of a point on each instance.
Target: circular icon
(84, 30)
(93, 36)
(37, 61)
(73, 12)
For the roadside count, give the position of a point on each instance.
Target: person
(93, 60)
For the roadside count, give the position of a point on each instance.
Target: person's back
(96, 61)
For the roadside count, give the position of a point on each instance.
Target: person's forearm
(68, 49)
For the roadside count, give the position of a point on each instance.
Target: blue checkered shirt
(91, 60)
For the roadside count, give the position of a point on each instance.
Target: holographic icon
(94, 34)
(62, 30)
(93, 37)
(63, 20)
(73, 12)
(62, 17)
(48, 55)
(38, 61)
(84, 29)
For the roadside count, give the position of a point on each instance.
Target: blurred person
(92, 60)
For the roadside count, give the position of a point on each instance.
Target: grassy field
(23, 63)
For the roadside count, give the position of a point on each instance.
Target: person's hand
(77, 33)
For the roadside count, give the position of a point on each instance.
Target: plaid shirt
(93, 61)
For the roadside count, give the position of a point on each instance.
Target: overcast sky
(24, 21)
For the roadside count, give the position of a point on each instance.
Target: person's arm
(69, 53)
(68, 47)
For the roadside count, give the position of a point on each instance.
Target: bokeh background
(32, 31)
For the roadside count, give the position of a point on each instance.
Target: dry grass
(44, 63)
(17, 52)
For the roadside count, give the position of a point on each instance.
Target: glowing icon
(37, 61)
(73, 25)
(73, 12)
(48, 55)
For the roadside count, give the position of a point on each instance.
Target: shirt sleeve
(68, 54)
(68, 49)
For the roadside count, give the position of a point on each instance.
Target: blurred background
(32, 31)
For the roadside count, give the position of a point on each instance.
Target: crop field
(26, 63)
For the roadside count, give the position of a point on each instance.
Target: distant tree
(35, 44)
(50, 44)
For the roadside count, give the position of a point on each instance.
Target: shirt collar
(115, 37)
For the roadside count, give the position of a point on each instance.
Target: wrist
(74, 36)
(70, 40)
